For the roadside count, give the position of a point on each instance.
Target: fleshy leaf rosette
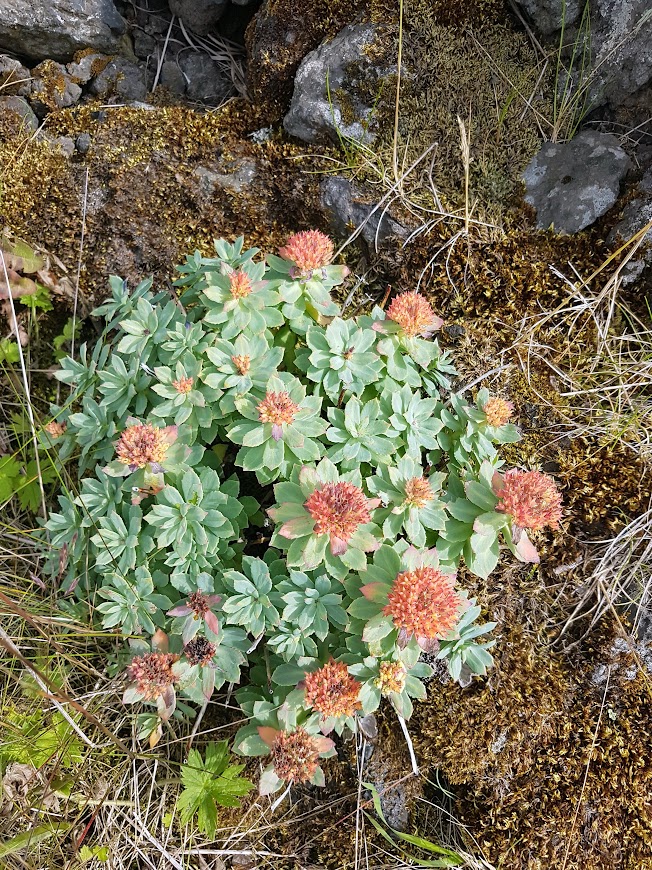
(493, 503)
(470, 432)
(240, 301)
(324, 517)
(410, 500)
(304, 277)
(242, 366)
(341, 358)
(187, 398)
(207, 662)
(407, 595)
(279, 430)
(197, 613)
(396, 676)
(405, 341)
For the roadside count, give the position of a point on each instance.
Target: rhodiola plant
(275, 497)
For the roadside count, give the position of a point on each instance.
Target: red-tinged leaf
(376, 592)
(338, 546)
(208, 682)
(299, 527)
(497, 482)
(324, 744)
(526, 551)
(267, 734)
(212, 622)
(160, 642)
(180, 610)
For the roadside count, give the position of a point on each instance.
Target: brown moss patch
(146, 207)
(518, 746)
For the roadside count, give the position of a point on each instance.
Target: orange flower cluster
(414, 314)
(152, 673)
(277, 408)
(141, 444)
(295, 756)
(424, 603)
(242, 363)
(240, 285)
(55, 429)
(418, 492)
(309, 250)
(338, 509)
(498, 411)
(530, 498)
(183, 385)
(332, 691)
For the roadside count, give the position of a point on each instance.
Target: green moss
(479, 74)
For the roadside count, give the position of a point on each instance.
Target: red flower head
(332, 691)
(242, 363)
(240, 285)
(308, 250)
(418, 492)
(338, 509)
(530, 498)
(498, 411)
(391, 677)
(55, 429)
(424, 603)
(414, 314)
(183, 385)
(152, 674)
(277, 408)
(143, 444)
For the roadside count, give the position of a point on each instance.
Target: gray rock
(243, 2)
(120, 81)
(549, 15)
(64, 144)
(58, 28)
(83, 143)
(237, 175)
(572, 184)
(347, 209)
(199, 15)
(20, 108)
(352, 76)
(15, 79)
(53, 88)
(88, 67)
(620, 43)
(172, 77)
(144, 44)
(636, 214)
(206, 80)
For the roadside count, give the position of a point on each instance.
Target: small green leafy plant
(274, 496)
(208, 782)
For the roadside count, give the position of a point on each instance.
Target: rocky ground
(506, 181)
